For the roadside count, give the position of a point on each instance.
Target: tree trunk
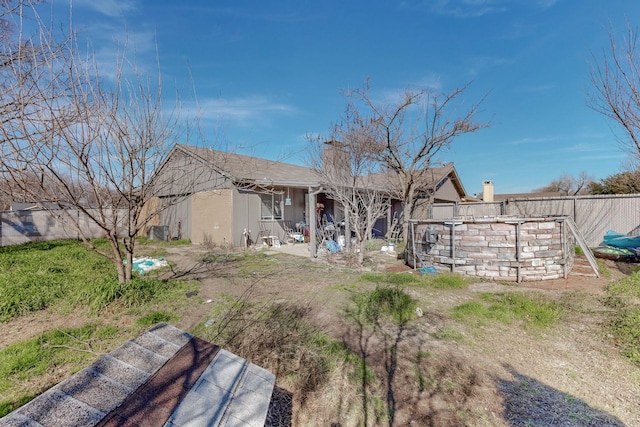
(361, 251)
(128, 271)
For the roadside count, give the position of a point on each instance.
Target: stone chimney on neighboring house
(487, 191)
(336, 160)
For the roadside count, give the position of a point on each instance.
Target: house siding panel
(212, 217)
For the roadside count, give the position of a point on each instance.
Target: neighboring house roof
(436, 176)
(254, 170)
(504, 197)
(164, 377)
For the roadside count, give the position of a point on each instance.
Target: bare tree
(615, 80)
(347, 172)
(568, 185)
(404, 137)
(93, 145)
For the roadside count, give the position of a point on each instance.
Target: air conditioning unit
(158, 232)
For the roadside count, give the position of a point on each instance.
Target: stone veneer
(498, 248)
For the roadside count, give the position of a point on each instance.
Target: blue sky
(267, 73)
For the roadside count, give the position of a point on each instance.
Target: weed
(418, 370)
(390, 278)
(384, 302)
(626, 329)
(603, 268)
(153, 318)
(449, 334)
(373, 245)
(578, 250)
(448, 281)
(29, 359)
(284, 339)
(624, 297)
(628, 286)
(143, 241)
(532, 310)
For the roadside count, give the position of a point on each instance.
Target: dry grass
(318, 377)
(288, 314)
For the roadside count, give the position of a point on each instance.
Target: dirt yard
(438, 372)
(486, 376)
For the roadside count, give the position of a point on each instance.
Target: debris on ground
(143, 265)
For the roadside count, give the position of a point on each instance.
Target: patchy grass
(390, 278)
(532, 310)
(59, 349)
(603, 268)
(384, 302)
(438, 281)
(624, 297)
(283, 339)
(154, 317)
(448, 281)
(448, 333)
(36, 276)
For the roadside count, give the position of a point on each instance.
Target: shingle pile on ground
(164, 377)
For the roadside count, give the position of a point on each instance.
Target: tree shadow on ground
(528, 402)
(415, 386)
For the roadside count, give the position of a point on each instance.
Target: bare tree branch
(72, 140)
(615, 81)
(405, 137)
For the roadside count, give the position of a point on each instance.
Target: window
(271, 206)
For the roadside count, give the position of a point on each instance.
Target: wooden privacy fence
(593, 215)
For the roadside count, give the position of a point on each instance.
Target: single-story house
(237, 198)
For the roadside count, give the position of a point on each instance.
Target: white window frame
(271, 206)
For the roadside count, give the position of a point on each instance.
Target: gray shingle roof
(254, 169)
(164, 377)
(273, 173)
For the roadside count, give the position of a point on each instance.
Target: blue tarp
(617, 240)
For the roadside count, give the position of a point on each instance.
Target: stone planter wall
(500, 248)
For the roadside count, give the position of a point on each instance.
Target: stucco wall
(512, 249)
(212, 217)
